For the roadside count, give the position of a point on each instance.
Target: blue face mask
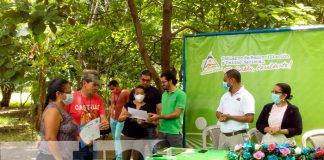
(275, 98)
(226, 87)
(69, 99)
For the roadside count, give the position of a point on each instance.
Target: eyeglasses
(146, 80)
(276, 92)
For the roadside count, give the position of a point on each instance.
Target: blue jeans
(116, 129)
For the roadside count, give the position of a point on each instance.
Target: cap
(89, 77)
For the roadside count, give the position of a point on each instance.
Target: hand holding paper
(90, 131)
(153, 117)
(103, 124)
(139, 114)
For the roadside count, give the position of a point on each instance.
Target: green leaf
(277, 17)
(311, 17)
(52, 27)
(262, 14)
(300, 5)
(9, 73)
(9, 65)
(293, 9)
(37, 25)
(40, 38)
(2, 60)
(52, 14)
(5, 6)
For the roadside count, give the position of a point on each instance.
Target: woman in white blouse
(280, 121)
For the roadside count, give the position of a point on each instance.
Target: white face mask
(139, 97)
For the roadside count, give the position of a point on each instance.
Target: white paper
(139, 114)
(90, 131)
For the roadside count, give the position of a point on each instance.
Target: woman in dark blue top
(280, 120)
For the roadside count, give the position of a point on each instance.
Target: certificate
(136, 113)
(90, 131)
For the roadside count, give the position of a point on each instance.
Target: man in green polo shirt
(171, 117)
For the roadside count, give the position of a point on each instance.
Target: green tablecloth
(193, 154)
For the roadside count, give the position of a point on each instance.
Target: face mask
(139, 97)
(69, 99)
(275, 98)
(226, 87)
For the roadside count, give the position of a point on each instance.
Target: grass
(18, 105)
(15, 126)
(20, 135)
(6, 121)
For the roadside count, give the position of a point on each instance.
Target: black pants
(85, 153)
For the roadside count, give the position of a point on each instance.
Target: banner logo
(247, 63)
(210, 65)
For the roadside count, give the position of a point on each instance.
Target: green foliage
(18, 104)
(5, 120)
(61, 38)
(242, 15)
(14, 127)
(66, 37)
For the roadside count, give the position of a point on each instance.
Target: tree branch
(166, 35)
(141, 43)
(185, 27)
(152, 35)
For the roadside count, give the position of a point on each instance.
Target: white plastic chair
(213, 132)
(316, 137)
(255, 134)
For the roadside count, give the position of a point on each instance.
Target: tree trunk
(166, 35)
(41, 98)
(181, 73)
(106, 5)
(6, 92)
(94, 12)
(141, 43)
(92, 4)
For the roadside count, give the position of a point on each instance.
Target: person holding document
(86, 106)
(135, 128)
(152, 97)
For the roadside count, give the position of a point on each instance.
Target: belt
(235, 133)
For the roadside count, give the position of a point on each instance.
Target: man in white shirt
(235, 111)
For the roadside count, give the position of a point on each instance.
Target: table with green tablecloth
(193, 154)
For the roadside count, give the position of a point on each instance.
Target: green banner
(264, 58)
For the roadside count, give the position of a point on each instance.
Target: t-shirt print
(84, 109)
(88, 115)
